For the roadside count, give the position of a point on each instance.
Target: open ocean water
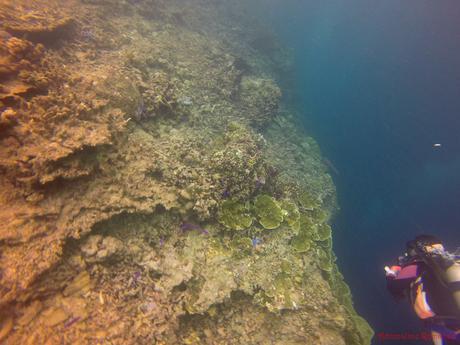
(378, 84)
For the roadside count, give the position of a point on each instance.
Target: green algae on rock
(268, 212)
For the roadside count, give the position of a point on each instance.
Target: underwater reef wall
(155, 189)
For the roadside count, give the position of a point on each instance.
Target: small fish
(437, 145)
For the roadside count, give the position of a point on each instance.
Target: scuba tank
(446, 267)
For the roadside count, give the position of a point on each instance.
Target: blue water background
(378, 83)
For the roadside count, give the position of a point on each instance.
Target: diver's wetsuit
(431, 300)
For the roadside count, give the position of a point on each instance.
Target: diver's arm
(392, 272)
(400, 278)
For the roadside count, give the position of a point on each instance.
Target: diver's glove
(392, 272)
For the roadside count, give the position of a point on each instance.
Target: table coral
(268, 212)
(301, 243)
(235, 215)
(291, 214)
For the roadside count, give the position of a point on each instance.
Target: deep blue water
(378, 83)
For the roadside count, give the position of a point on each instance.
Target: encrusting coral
(154, 188)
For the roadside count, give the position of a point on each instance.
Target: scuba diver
(430, 277)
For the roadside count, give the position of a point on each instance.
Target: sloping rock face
(154, 188)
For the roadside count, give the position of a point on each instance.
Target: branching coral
(159, 96)
(239, 162)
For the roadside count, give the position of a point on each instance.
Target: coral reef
(34, 22)
(154, 188)
(268, 212)
(234, 215)
(260, 99)
(291, 214)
